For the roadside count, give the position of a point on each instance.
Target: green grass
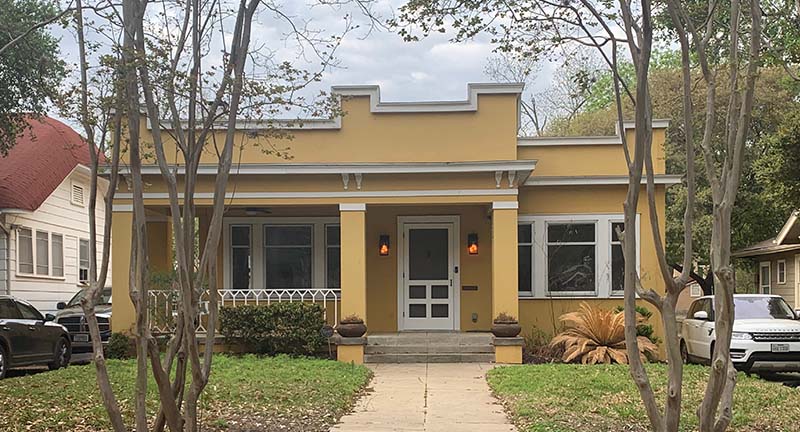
(277, 393)
(567, 397)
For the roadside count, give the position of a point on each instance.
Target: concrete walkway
(427, 397)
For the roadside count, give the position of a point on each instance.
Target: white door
(428, 276)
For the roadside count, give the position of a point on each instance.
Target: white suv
(766, 333)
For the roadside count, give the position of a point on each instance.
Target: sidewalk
(427, 397)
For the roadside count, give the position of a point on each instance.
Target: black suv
(70, 315)
(29, 339)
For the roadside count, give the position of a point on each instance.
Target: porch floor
(429, 347)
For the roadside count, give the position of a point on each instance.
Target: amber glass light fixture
(472, 243)
(383, 245)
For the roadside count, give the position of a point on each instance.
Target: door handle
(5, 328)
(32, 328)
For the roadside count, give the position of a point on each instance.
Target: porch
(440, 267)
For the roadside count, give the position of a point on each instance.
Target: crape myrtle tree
(191, 68)
(621, 32)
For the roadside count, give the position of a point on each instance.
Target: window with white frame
(617, 259)
(333, 256)
(571, 255)
(764, 276)
(42, 253)
(288, 252)
(782, 272)
(241, 256)
(57, 252)
(525, 256)
(83, 261)
(695, 290)
(25, 250)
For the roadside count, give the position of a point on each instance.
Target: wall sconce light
(383, 245)
(472, 243)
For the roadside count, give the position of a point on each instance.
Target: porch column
(353, 275)
(121, 223)
(504, 274)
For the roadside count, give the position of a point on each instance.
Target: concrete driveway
(427, 397)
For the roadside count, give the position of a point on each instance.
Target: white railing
(163, 304)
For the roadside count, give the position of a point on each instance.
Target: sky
(432, 69)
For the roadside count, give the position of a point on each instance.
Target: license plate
(778, 348)
(85, 338)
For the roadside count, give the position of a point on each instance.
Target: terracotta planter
(351, 329)
(506, 329)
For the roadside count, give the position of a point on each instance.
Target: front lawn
(244, 393)
(568, 397)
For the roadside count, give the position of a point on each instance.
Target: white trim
(376, 106)
(455, 221)
(761, 285)
(353, 168)
(787, 227)
(355, 207)
(797, 281)
(531, 141)
(602, 253)
(338, 194)
(505, 205)
(659, 179)
(122, 208)
(781, 281)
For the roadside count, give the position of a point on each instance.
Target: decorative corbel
(345, 180)
(512, 176)
(498, 178)
(358, 180)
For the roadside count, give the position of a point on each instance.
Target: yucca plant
(594, 335)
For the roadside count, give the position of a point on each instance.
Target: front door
(428, 276)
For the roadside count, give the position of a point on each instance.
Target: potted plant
(351, 326)
(505, 325)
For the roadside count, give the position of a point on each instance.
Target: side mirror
(797, 314)
(61, 305)
(49, 317)
(701, 315)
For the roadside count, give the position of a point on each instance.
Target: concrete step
(430, 358)
(428, 349)
(430, 339)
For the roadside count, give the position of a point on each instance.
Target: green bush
(120, 346)
(280, 328)
(645, 329)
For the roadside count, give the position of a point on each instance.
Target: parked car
(27, 338)
(71, 316)
(766, 333)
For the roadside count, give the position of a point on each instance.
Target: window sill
(43, 277)
(571, 297)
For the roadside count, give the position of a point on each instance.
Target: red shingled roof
(42, 157)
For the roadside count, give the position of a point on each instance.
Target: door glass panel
(416, 310)
(439, 291)
(439, 310)
(428, 254)
(416, 291)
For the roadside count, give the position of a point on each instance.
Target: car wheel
(62, 355)
(4, 360)
(684, 353)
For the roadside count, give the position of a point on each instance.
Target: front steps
(429, 347)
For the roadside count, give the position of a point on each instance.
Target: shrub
(280, 328)
(537, 349)
(645, 328)
(120, 346)
(594, 335)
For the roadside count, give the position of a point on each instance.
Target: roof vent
(77, 195)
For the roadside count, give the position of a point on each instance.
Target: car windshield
(105, 298)
(762, 308)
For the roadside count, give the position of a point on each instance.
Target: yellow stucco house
(415, 216)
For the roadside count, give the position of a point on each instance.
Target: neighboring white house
(44, 220)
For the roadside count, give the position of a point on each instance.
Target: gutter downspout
(7, 230)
